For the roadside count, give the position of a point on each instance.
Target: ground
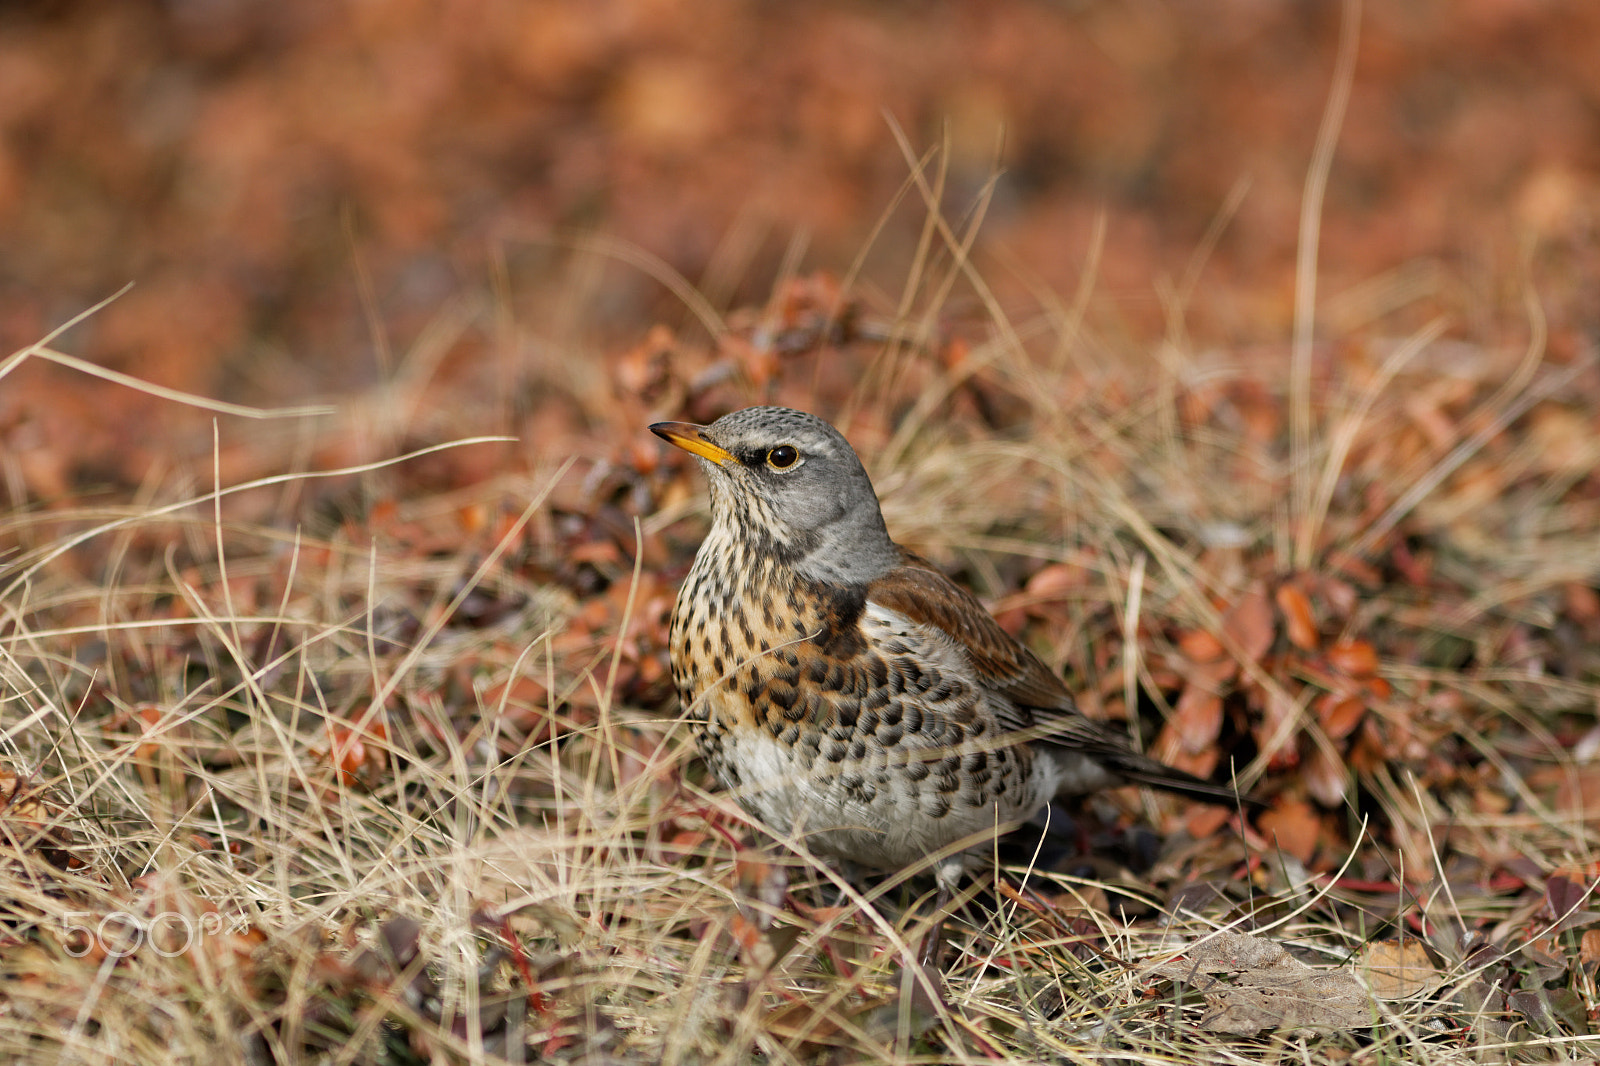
(1240, 356)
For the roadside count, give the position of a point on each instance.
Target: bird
(844, 689)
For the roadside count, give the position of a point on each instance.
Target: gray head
(790, 480)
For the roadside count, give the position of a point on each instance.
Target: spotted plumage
(846, 691)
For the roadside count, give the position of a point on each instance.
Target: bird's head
(787, 482)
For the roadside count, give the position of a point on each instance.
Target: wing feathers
(1042, 705)
(924, 595)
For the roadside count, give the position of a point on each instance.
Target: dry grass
(401, 795)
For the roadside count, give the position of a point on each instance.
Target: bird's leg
(947, 875)
(933, 941)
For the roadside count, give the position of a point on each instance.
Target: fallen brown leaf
(1339, 714)
(1297, 617)
(1251, 984)
(1249, 623)
(1589, 947)
(1198, 646)
(1197, 720)
(1355, 657)
(1292, 824)
(1398, 969)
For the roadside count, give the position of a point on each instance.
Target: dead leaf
(812, 1023)
(1589, 947)
(1251, 984)
(1204, 819)
(1249, 624)
(1563, 903)
(1563, 440)
(1355, 657)
(1551, 1011)
(1055, 581)
(1198, 646)
(1293, 825)
(1197, 720)
(1581, 602)
(1297, 617)
(1339, 714)
(31, 819)
(1398, 969)
(1277, 709)
(359, 754)
(763, 887)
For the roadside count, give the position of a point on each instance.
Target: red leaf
(1197, 720)
(1293, 825)
(1297, 617)
(1340, 714)
(1249, 624)
(1198, 646)
(1355, 657)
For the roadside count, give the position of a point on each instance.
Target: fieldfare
(846, 691)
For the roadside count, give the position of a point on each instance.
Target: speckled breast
(836, 721)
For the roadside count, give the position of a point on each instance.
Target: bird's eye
(782, 457)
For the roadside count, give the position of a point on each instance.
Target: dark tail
(1143, 770)
(1077, 736)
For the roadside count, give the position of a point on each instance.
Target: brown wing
(1040, 702)
(924, 595)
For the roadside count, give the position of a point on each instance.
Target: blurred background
(396, 675)
(298, 190)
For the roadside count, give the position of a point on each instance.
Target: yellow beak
(691, 438)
